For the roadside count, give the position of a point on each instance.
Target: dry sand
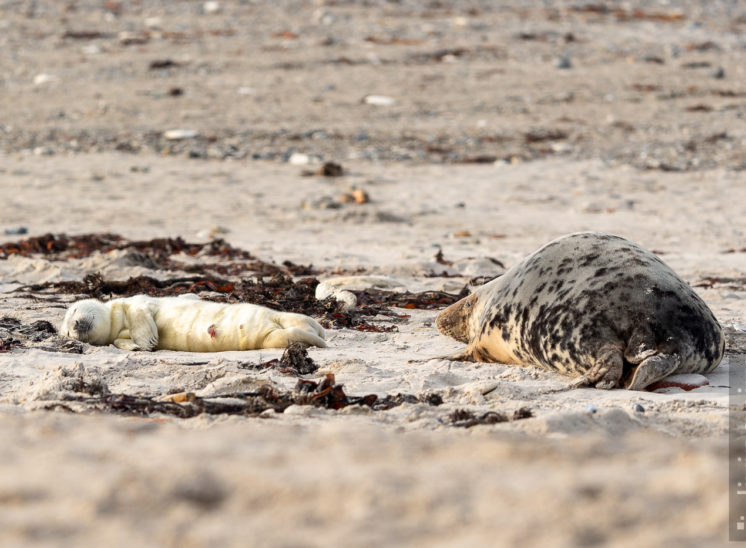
(586, 469)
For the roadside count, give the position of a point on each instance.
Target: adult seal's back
(593, 306)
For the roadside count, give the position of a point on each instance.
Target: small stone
(153, 23)
(360, 196)
(246, 91)
(590, 409)
(301, 159)
(638, 408)
(127, 38)
(180, 134)
(16, 231)
(719, 73)
(44, 78)
(561, 148)
(356, 196)
(330, 169)
(380, 100)
(564, 62)
(325, 202)
(213, 232)
(211, 7)
(159, 64)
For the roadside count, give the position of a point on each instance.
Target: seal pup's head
(88, 321)
(456, 320)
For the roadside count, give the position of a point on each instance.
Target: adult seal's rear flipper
(652, 369)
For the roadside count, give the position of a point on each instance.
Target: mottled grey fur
(593, 306)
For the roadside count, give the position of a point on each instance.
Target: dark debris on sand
(294, 361)
(325, 393)
(155, 254)
(269, 284)
(466, 419)
(40, 334)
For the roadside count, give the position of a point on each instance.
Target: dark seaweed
(325, 393)
(294, 361)
(270, 285)
(14, 333)
(156, 253)
(466, 419)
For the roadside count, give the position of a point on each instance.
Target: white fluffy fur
(186, 323)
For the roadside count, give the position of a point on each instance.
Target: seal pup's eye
(467, 305)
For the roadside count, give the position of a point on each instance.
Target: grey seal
(592, 306)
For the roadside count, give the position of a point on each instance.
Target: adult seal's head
(458, 320)
(592, 306)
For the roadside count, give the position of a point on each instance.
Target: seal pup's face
(455, 321)
(88, 321)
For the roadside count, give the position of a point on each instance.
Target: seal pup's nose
(82, 329)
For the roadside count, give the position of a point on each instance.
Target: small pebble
(153, 23)
(43, 78)
(638, 408)
(16, 231)
(719, 73)
(590, 408)
(564, 62)
(127, 38)
(357, 196)
(379, 100)
(301, 159)
(91, 49)
(179, 134)
(213, 232)
(325, 202)
(211, 7)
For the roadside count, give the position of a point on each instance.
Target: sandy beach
(476, 133)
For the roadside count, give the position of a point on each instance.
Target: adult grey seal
(592, 306)
(186, 323)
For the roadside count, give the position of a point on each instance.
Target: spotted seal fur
(592, 306)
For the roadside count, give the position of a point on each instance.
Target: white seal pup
(186, 323)
(592, 306)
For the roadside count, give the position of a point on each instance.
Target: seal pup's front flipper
(142, 329)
